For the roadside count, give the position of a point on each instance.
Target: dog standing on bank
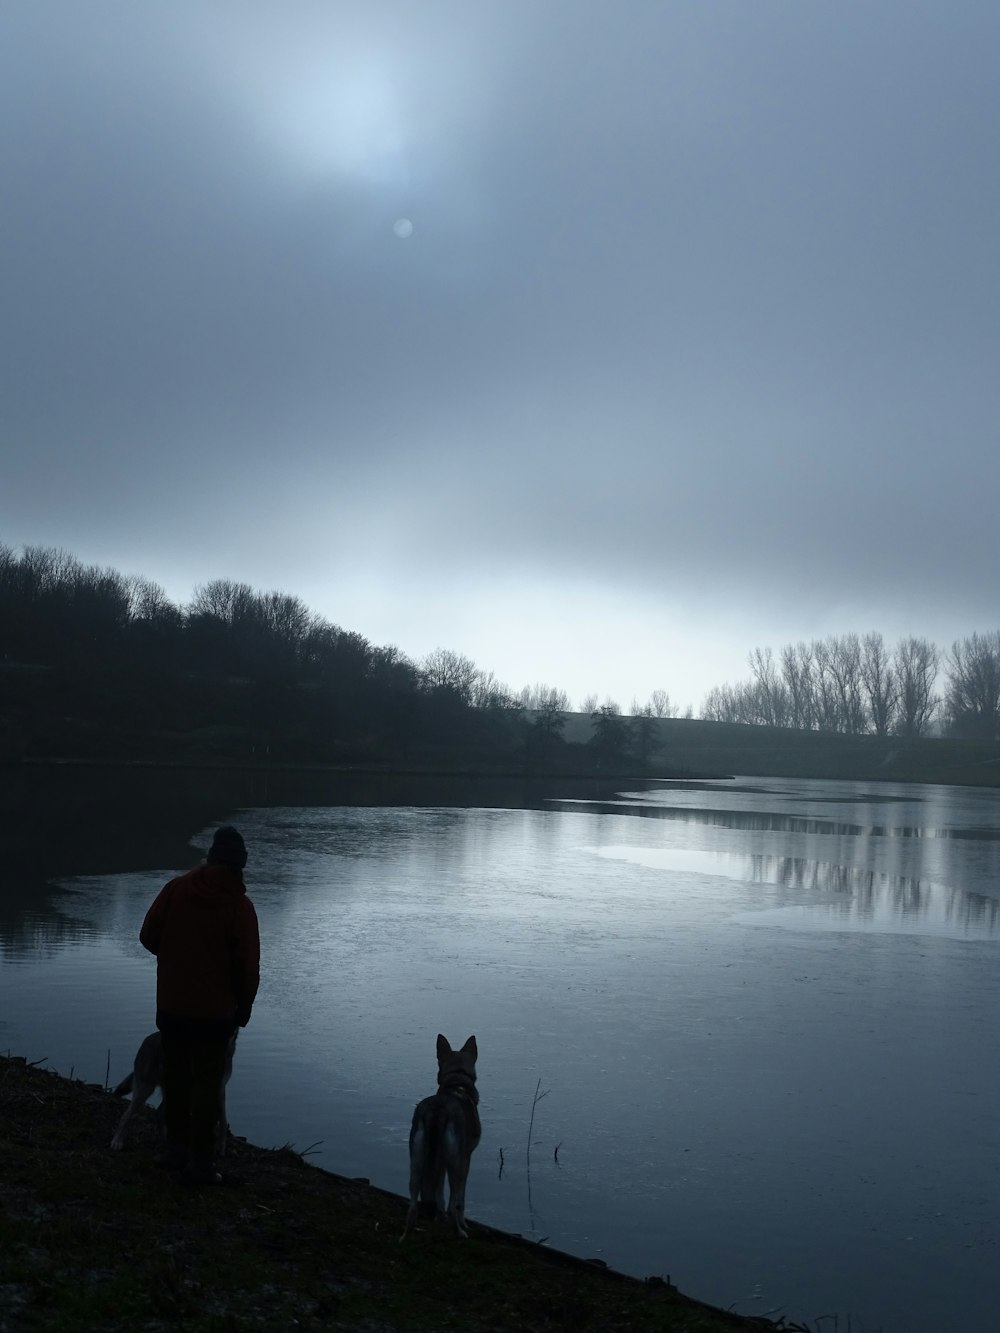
(147, 1075)
(443, 1136)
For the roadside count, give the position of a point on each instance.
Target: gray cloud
(699, 299)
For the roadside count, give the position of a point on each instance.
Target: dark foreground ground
(96, 1240)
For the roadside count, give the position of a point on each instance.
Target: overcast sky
(599, 341)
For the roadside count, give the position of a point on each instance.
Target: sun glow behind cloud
(329, 99)
(347, 122)
(364, 98)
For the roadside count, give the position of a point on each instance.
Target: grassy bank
(106, 1241)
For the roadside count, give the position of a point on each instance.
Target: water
(762, 1015)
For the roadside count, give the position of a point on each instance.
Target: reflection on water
(760, 821)
(815, 1103)
(29, 926)
(40, 935)
(841, 897)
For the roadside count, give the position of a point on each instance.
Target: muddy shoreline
(97, 1239)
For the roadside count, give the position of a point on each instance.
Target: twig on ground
(289, 1146)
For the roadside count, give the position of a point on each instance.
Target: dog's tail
(124, 1087)
(422, 1149)
(426, 1163)
(421, 1152)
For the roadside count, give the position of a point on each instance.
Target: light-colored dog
(444, 1135)
(147, 1076)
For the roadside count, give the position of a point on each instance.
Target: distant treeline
(97, 663)
(859, 685)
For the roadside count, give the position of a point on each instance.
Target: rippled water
(763, 1015)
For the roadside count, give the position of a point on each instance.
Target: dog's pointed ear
(443, 1047)
(471, 1048)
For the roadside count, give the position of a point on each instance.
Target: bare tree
(844, 666)
(771, 703)
(286, 617)
(716, 705)
(798, 675)
(100, 596)
(735, 703)
(225, 600)
(916, 663)
(849, 684)
(659, 702)
(878, 679)
(146, 599)
(826, 691)
(47, 569)
(532, 697)
(445, 669)
(488, 692)
(391, 668)
(589, 703)
(974, 685)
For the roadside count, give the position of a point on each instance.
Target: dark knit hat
(227, 848)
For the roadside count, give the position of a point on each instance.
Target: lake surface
(763, 1015)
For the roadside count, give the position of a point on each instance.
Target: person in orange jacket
(203, 929)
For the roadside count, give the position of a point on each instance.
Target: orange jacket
(203, 929)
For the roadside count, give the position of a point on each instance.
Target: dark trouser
(194, 1064)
